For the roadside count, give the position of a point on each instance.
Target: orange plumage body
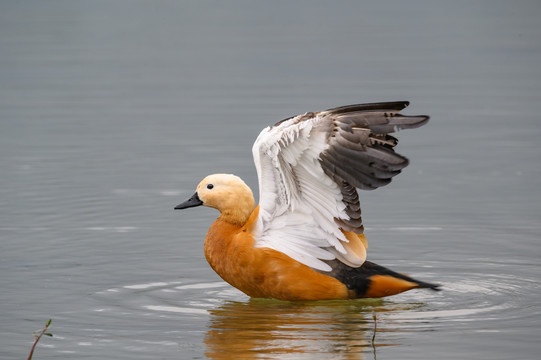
(263, 272)
(266, 273)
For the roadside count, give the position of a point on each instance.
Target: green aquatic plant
(37, 335)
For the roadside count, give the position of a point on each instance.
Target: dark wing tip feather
(361, 150)
(382, 106)
(399, 122)
(360, 144)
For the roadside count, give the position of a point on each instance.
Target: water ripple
(484, 294)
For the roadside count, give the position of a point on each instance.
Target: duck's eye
(210, 186)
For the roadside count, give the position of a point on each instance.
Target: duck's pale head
(225, 192)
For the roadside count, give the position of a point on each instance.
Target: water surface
(111, 113)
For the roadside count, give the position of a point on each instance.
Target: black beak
(191, 202)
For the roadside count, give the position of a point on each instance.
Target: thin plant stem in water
(37, 335)
(374, 334)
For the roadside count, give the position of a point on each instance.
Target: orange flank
(386, 285)
(305, 240)
(261, 272)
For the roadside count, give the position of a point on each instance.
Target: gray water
(112, 112)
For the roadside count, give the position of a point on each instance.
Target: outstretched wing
(309, 167)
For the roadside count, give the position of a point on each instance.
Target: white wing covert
(309, 167)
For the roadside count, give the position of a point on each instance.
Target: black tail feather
(358, 279)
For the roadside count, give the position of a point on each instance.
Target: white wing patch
(298, 201)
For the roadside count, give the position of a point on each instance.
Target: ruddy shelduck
(305, 241)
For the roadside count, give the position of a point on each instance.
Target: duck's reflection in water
(262, 328)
